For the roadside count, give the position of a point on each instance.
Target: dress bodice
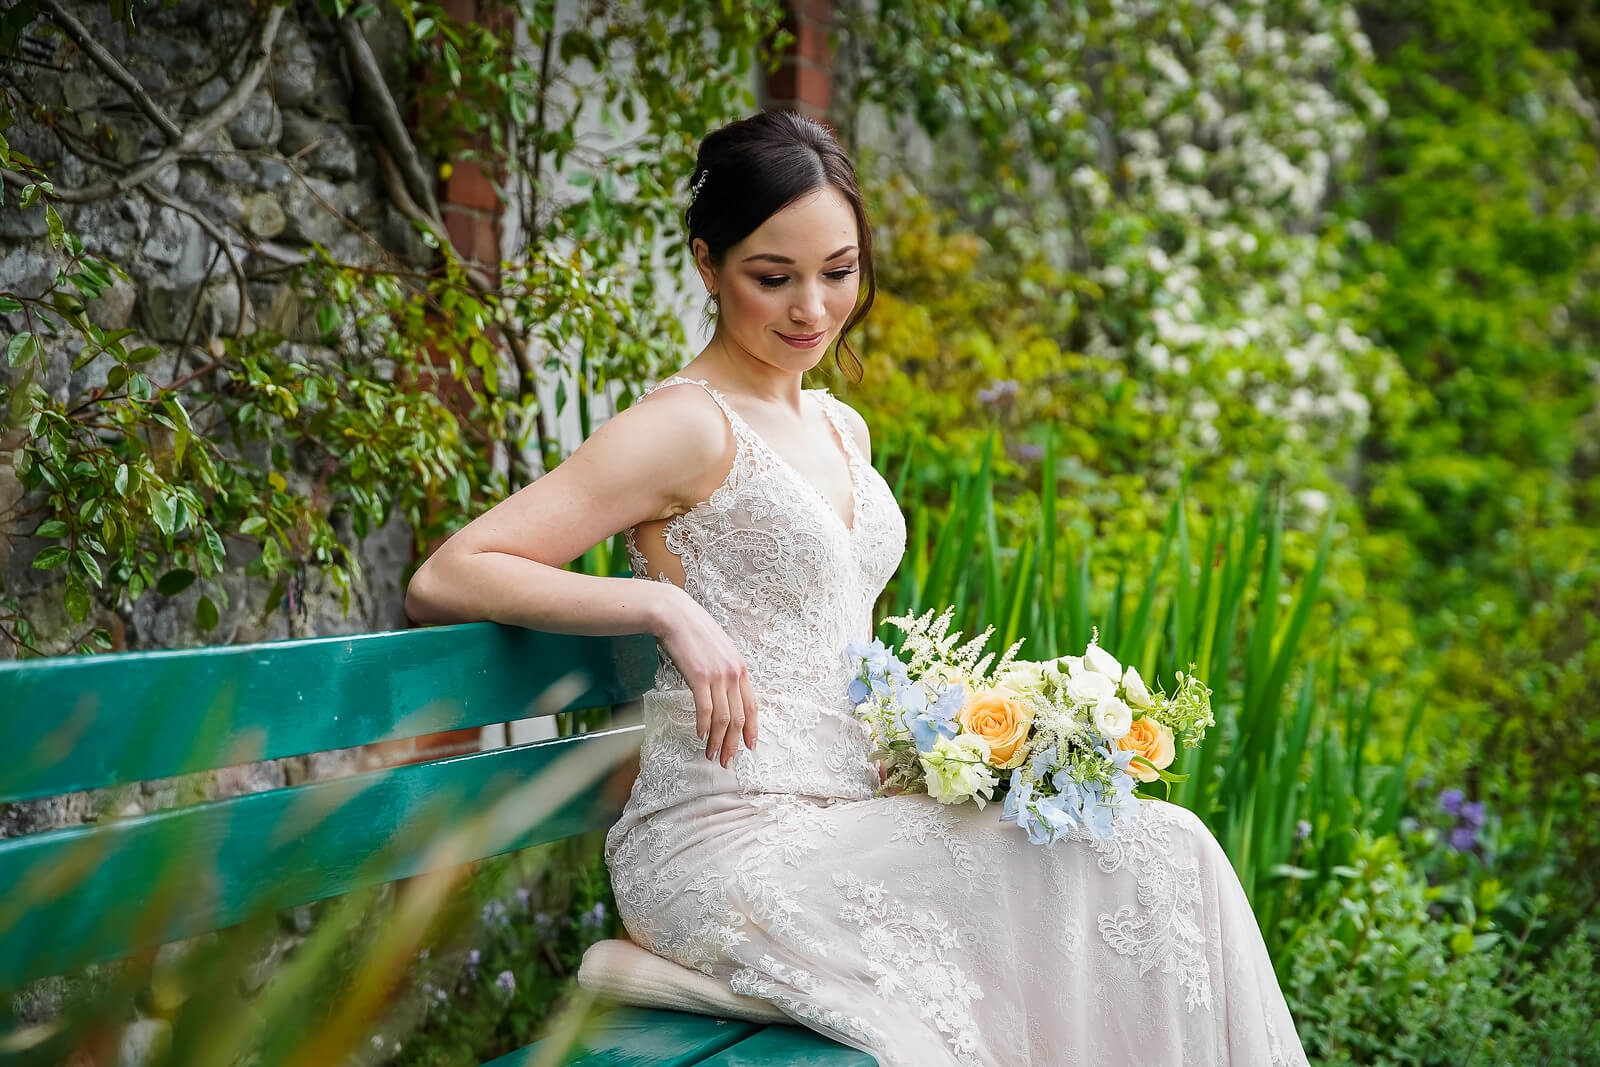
(773, 562)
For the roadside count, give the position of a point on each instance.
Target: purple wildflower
(999, 392)
(1462, 838)
(543, 922)
(506, 982)
(594, 917)
(523, 896)
(1029, 451)
(1450, 801)
(493, 914)
(1302, 830)
(1472, 814)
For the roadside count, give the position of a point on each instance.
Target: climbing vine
(399, 380)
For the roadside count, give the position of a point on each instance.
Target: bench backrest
(88, 893)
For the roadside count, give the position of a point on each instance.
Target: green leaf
(214, 542)
(161, 511)
(120, 481)
(77, 598)
(143, 354)
(50, 558)
(206, 615)
(30, 195)
(253, 525)
(7, 304)
(51, 528)
(174, 582)
(90, 566)
(53, 221)
(19, 348)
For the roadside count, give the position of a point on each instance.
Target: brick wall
(804, 78)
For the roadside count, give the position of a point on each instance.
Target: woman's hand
(724, 702)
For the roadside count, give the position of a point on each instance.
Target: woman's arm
(652, 461)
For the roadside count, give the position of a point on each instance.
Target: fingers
(702, 710)
(720, 717)
(748, 696)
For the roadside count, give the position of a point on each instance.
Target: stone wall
(289, 171)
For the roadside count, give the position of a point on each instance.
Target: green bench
(85, 894)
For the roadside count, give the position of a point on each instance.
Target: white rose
(1087, 687)
(1071, 664)
(1134, 689)
(1098, 659)
(1023, 676)
(1112, 718)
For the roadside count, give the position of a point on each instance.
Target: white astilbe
(930, 643)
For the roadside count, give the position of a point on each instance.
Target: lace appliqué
(906, 954)
(773, 981)
(917, 820)
(1164, 930)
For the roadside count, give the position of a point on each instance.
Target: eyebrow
(771, 257)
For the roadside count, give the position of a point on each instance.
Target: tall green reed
(1283, 775)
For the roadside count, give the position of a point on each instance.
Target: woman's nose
(807, 308)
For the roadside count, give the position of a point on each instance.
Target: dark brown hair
(749, 170)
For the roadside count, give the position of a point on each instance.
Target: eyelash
(773, 281)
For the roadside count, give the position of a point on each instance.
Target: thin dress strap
(834, 409)
(745, 440)
(727, 409)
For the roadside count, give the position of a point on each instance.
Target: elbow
(424, 599)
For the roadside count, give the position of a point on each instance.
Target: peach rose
(1002, 719)
(1151, 740)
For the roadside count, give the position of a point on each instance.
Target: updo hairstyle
(749, 170)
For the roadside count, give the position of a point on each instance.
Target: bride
(754, 847)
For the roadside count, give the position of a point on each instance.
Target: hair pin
(694, 190)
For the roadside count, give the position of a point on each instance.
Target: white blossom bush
(1174, 165)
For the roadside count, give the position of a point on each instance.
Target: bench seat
(626, 1037)
(123, 886)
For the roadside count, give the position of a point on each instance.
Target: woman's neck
(745, 375)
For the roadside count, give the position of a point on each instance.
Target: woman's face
(786, 290)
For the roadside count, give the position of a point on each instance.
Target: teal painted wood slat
(789, 1046)
(83, 722)
(78, 895)
(637, 1037)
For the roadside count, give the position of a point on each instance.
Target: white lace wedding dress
(924, 934)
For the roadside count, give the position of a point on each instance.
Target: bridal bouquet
(1065, 740)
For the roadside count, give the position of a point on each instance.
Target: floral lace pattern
(1162, 931)
(909, 957)
(923, 934)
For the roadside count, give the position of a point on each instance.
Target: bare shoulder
(680, 426)
(857, 427)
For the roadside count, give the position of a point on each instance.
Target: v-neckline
(843, 448)
(849, 527)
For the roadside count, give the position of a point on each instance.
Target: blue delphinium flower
(859, 691)
(927, 723)
(881, 671)
(1122, 785)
